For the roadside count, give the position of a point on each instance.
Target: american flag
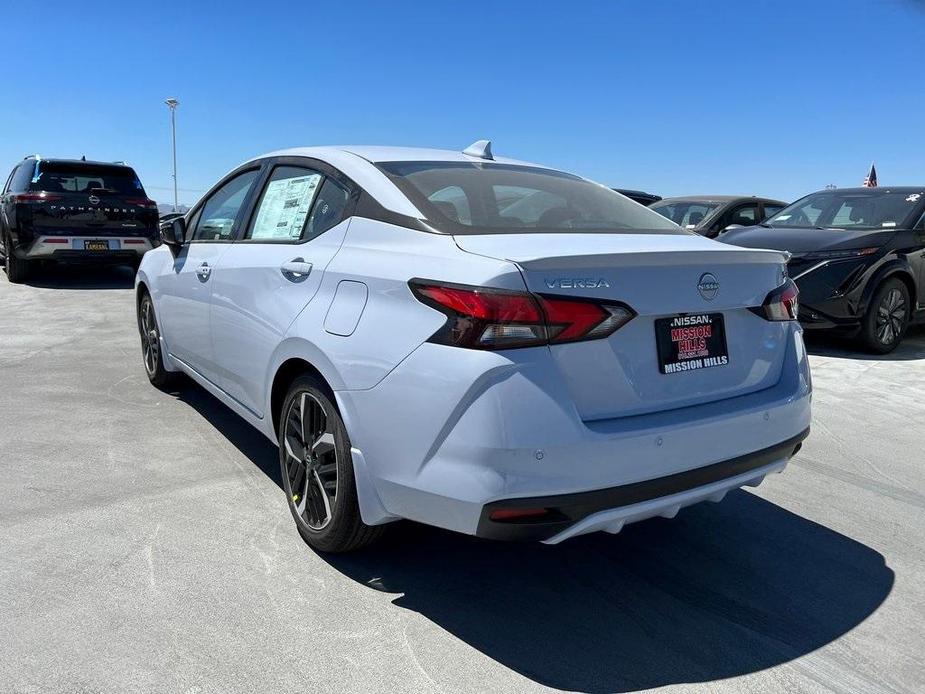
(871, 180)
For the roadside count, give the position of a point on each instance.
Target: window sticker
(284, 207)
(782, 217)
(888, 224)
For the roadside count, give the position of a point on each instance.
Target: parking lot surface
(145, 545)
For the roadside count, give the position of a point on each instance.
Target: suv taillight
(481, 318)
(781, 304)
(35, 197)
(142, 202)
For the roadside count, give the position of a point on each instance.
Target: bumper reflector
(518, 514)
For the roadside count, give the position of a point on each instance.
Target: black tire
(887, 317)
(17, 269)
(151, 346)
(316, 458)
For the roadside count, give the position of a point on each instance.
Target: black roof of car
(882, 189)
(716, 198)
(87, 162)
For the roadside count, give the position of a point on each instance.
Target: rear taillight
(35, 197)
(142, 202)
(781, 304)
(482, 318)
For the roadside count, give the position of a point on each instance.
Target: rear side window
(285, 204)
(22, 178)
(327, 211)
(58, 177)
(477, 198)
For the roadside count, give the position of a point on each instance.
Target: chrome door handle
(203, 272)
(296, 269)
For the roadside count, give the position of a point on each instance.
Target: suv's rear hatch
(87, 199)
(658, 276)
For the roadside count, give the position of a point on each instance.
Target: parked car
(711, 215)
(639, 196)
(475, 343)
(75, 211)
(857, 256)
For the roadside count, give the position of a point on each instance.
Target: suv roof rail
(32, 156)
(119, 162)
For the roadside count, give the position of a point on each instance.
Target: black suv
(79, 211)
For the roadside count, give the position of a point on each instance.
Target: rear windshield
(54, 177)
(476, 198)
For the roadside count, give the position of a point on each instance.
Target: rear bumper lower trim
(568, 509)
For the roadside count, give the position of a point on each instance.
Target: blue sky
(771, 98)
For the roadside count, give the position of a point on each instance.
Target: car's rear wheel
(317, 470)
(887, 317)
(17, 269)
(151, 344)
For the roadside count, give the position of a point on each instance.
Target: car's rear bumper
(450, 433)
(74, 248)
(609, 509)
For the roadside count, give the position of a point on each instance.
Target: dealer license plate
(690, 342)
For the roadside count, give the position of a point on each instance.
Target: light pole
(172, 105)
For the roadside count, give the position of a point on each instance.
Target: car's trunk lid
(658, 276)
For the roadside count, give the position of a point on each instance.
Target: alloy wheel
(891, 316)
(310, 461)
(150, 338)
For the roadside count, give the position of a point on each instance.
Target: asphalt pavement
(145, 546)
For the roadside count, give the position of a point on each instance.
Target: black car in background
(858, 258)
(711, 215)
(639, 196)
(75, 211)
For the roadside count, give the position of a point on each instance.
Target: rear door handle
(296, 269)
(203, 271)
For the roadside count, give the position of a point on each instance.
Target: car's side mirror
(731, 227)
(173, 233)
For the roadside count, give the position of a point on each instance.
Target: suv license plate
(691, 342)
(96, 245)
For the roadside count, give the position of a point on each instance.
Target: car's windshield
(58, 177)
(832, 209)
(475, 198)
(687, 213)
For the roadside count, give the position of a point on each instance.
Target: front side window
(686, 213)
(215, 220)
(771, 210)
(874, 209)
(745, 216)
(478, 198)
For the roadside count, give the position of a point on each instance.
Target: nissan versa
(858, 256)
(76, 211)
(476, 343)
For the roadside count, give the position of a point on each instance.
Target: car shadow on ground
(827, 345)
(720, 591)
(84, 277)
